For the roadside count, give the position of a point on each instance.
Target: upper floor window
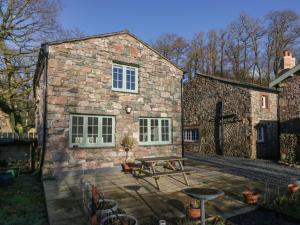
(91, 131)
(191, 135)
(261, 134)
(124, 78)
(155, 131)
(264, 102)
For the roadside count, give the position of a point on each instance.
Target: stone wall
(79, 81)
(266, 117)
(242, 112)
(5, 126)
(290, 148)
(201, 97)
(289, 112)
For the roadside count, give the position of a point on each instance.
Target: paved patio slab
(140, 198)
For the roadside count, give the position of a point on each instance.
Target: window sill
(91, 147)
(154, 144)
(191, 142)
(125, 91)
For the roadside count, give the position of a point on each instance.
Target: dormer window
(124, 78)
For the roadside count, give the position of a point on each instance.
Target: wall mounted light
(128, 109)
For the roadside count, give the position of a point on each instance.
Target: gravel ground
(261, 170)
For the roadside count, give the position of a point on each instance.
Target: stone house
(289, 108)
(5, 125)
(226, 117)
(93, 91)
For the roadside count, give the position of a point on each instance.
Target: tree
(283, 30)
(196, 57)
(24, 25)
(212, 53)
(172, 47)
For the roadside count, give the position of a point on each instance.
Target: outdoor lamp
(128, 109)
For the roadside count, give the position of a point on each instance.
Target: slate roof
(239, 83)
(284, 76)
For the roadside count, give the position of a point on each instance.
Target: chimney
(287, 61)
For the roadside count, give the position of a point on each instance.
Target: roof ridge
(236, 82)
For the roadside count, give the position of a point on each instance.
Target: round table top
(203, 193)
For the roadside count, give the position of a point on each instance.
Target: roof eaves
(242, 84)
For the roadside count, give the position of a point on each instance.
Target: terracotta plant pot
(127, 167)
(293, 188)
(194, 213)
(250, 197)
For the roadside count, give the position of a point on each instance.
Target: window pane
(165, 130)
(154, 130)
(143, 130)
(92, 130)
(107, 130)
(130, 78)
(117, 76)
(77, 129)
(191, 135)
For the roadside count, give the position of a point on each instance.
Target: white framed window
(91, 131)
(261, 134)
(154, 131)
(191, 135)
(124, 78)
(264, 102)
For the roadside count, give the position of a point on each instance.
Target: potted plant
(293, 188)
(250, 196)
(127, 143)
(194, 211)
(99, 205)
(119, 219)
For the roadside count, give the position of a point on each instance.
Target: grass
(23, 202)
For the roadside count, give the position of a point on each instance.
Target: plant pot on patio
(127, 167)
(250, 197)
(104, 208)
(194, 211)
(119, 219)
(293, 188)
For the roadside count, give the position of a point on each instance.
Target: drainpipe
(45, 54)
(278, 124)
(182, 141)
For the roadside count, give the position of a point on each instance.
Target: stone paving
(265, 171)
(140, 198)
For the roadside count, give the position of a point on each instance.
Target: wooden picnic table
(169, 165)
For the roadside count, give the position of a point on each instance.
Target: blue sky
(150, 18)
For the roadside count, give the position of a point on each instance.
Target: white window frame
(85, 143)
(264, 101)
(261, 138)
(159, 142)
(188, 135)
(124, 78)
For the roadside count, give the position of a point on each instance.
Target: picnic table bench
(169, 165)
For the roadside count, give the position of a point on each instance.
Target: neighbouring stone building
(230, 118)
(289, 108)
(94, 91)
(5, 125)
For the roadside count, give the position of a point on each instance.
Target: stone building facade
(94, 91)
(289, 109)
(229, 118)
(5, 125)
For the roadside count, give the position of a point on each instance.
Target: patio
(140, 198)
